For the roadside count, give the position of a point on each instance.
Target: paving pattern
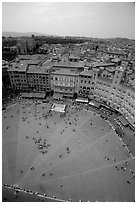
(73, 157)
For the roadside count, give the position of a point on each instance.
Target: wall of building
(18, 80)
(64, 83)
(112, 92)
(38, 81)
(5, 77)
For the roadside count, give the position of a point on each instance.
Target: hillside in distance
(18, 34)
(29, 34)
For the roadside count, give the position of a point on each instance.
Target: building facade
(103, 84)
(113, 93)
(30, 74)
(6, 84)
(87, 80)
(65, 81)
(17, 74)
(38, 78)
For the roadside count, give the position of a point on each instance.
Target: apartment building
(116, 54)
(116, 95)
(87, 80)
(36, 59)
(5, 75)
(72, 63)
(102, 89)
(17, 74)
(65, 81)
(30, 73)
(102, 83)
(38, 77)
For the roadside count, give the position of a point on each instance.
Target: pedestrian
(60, 155)
(70, 199)
(117, 168)
(32, 168)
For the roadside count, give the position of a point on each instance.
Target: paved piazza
(75, 156)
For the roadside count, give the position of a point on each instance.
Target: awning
(33, 95)
(68, 96)
(58, 96)
(25, 95)
(82, 100)
(94, 103)
(122, 120)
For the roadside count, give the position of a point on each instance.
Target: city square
(57, 155)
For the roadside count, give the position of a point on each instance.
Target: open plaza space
(72, 156)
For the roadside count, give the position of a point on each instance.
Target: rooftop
(110, 69)
(126, 86)
(69, 64)
(105, 79)
(115, 60)
(43, 69)
(119, 68)
(73, 57)
(19, 66)
(87, 73)
(100, 64)
(34, 59)
(65, 72)
(116, 52)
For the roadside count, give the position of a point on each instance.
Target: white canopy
(82, 100)
(58, 107)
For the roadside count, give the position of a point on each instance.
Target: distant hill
(27, 34)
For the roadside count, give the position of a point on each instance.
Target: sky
(104, 19)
